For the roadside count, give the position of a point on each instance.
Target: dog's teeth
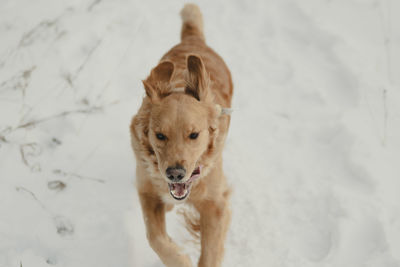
(173, 191)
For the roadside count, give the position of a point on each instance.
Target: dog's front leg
(154, 216)
(214, 222)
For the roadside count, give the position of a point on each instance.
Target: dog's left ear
(197, 79)
(157, 84)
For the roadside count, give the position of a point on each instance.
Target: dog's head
(182, 125)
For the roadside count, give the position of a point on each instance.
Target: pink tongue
(179, 189)
(196, 173)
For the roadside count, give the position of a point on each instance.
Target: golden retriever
(177, 137)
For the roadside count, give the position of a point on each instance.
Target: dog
(177, 137)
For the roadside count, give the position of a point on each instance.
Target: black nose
(175, 173)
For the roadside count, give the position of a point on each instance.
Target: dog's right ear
(197, 80)
(157, 84)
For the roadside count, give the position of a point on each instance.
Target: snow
(312, 154)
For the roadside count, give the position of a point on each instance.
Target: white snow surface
(312, 153)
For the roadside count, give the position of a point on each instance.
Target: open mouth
(180, 191)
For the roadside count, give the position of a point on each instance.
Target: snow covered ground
(312, 154)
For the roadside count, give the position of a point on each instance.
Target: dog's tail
(192, 222)
(192, 22)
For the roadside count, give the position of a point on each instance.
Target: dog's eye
(160, 136)
(193, 135)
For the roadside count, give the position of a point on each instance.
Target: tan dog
(177, 136)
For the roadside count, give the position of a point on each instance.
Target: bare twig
(71, 79)
(23, 189)
(63, 225)
(74, 175)
(23, 156)
(123, 57)
(93, 109)
(19, 81)
(62, 114)
(30, 36)
(93, 4)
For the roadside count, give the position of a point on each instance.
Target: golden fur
(184, 94)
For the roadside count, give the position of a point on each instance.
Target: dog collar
(224, 111)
